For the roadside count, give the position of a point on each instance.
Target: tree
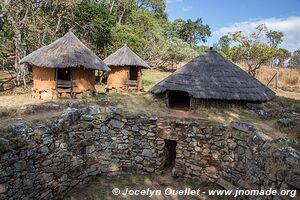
(93, 24)
(295, 59)
(156, 6)
(275, 38)
(173, 52)
(16, 13)
(282, 56)
(103, 25)
(223, 46)
(252, 50)
(191, 32)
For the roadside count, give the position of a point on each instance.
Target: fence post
(277, 79)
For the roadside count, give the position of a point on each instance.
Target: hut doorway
(170, 154)
(64, 74)
(133, 73)
(64, 78)
(178, 99)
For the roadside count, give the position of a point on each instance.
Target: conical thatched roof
(210, 76)
(67, 51)
(125, 57)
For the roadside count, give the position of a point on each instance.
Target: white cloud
(174, 1)
(289, 26)
(186, 8)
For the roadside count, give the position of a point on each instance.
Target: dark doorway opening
(133, 73)
(170, 153)
(64, 74)
(179, 99)
(64, 79)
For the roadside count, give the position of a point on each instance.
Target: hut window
(178, 99)
(133, 73)
(169, 154)
(64, 74)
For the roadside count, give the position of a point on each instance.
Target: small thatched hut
(210, 79)
(126, 70)
(65, 67)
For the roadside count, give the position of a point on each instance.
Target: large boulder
(289, 119)
(241, 126)
(20, 128)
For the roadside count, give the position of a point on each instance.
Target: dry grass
(289, 78)
(13, 101)
(152, 77)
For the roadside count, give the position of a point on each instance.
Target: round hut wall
(119, 75)
(44, 79)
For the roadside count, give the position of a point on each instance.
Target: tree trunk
(121, 16)
(112, 6)
(21, 70)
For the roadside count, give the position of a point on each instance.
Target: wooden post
(71, 79)
(277, 79)
(167, 99)
(56, 71)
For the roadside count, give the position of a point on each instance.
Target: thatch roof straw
(125, 57)
(210, 76)
(67, 51)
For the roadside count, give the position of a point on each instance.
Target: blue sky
(230, 15)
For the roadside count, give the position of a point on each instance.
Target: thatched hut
(210, 79)
(65, 67)
(126, 70)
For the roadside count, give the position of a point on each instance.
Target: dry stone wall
(43, 160)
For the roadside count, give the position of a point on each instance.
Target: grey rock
(293, 180)
(260, 138)
(150, 134)
(47, 177)
(138, 159)
(263, 114)
(4, 145)
(20, 165)
(89, 149)
(241, 126)
(149, 169)
(63, 178)
(115, 110)
(232, 145)
(122, 146)
(225, 184)
(92, 110)
(285, 139)
(42, 129)
(116, 123)
(63, 145)
(87, 117)
(289, 119)
(20, 128)
(135, 128)
(71, 115)
(44, 150)
(3, 188)
(286, 152)
(147, 153)
(28, 183)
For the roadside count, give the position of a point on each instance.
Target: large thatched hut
(210, 79)
(65, 67)
(126, 70)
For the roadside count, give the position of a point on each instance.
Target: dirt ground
(143, 102)
(101, 188)
(146, 103)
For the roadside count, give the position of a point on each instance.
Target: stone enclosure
(44, 159)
